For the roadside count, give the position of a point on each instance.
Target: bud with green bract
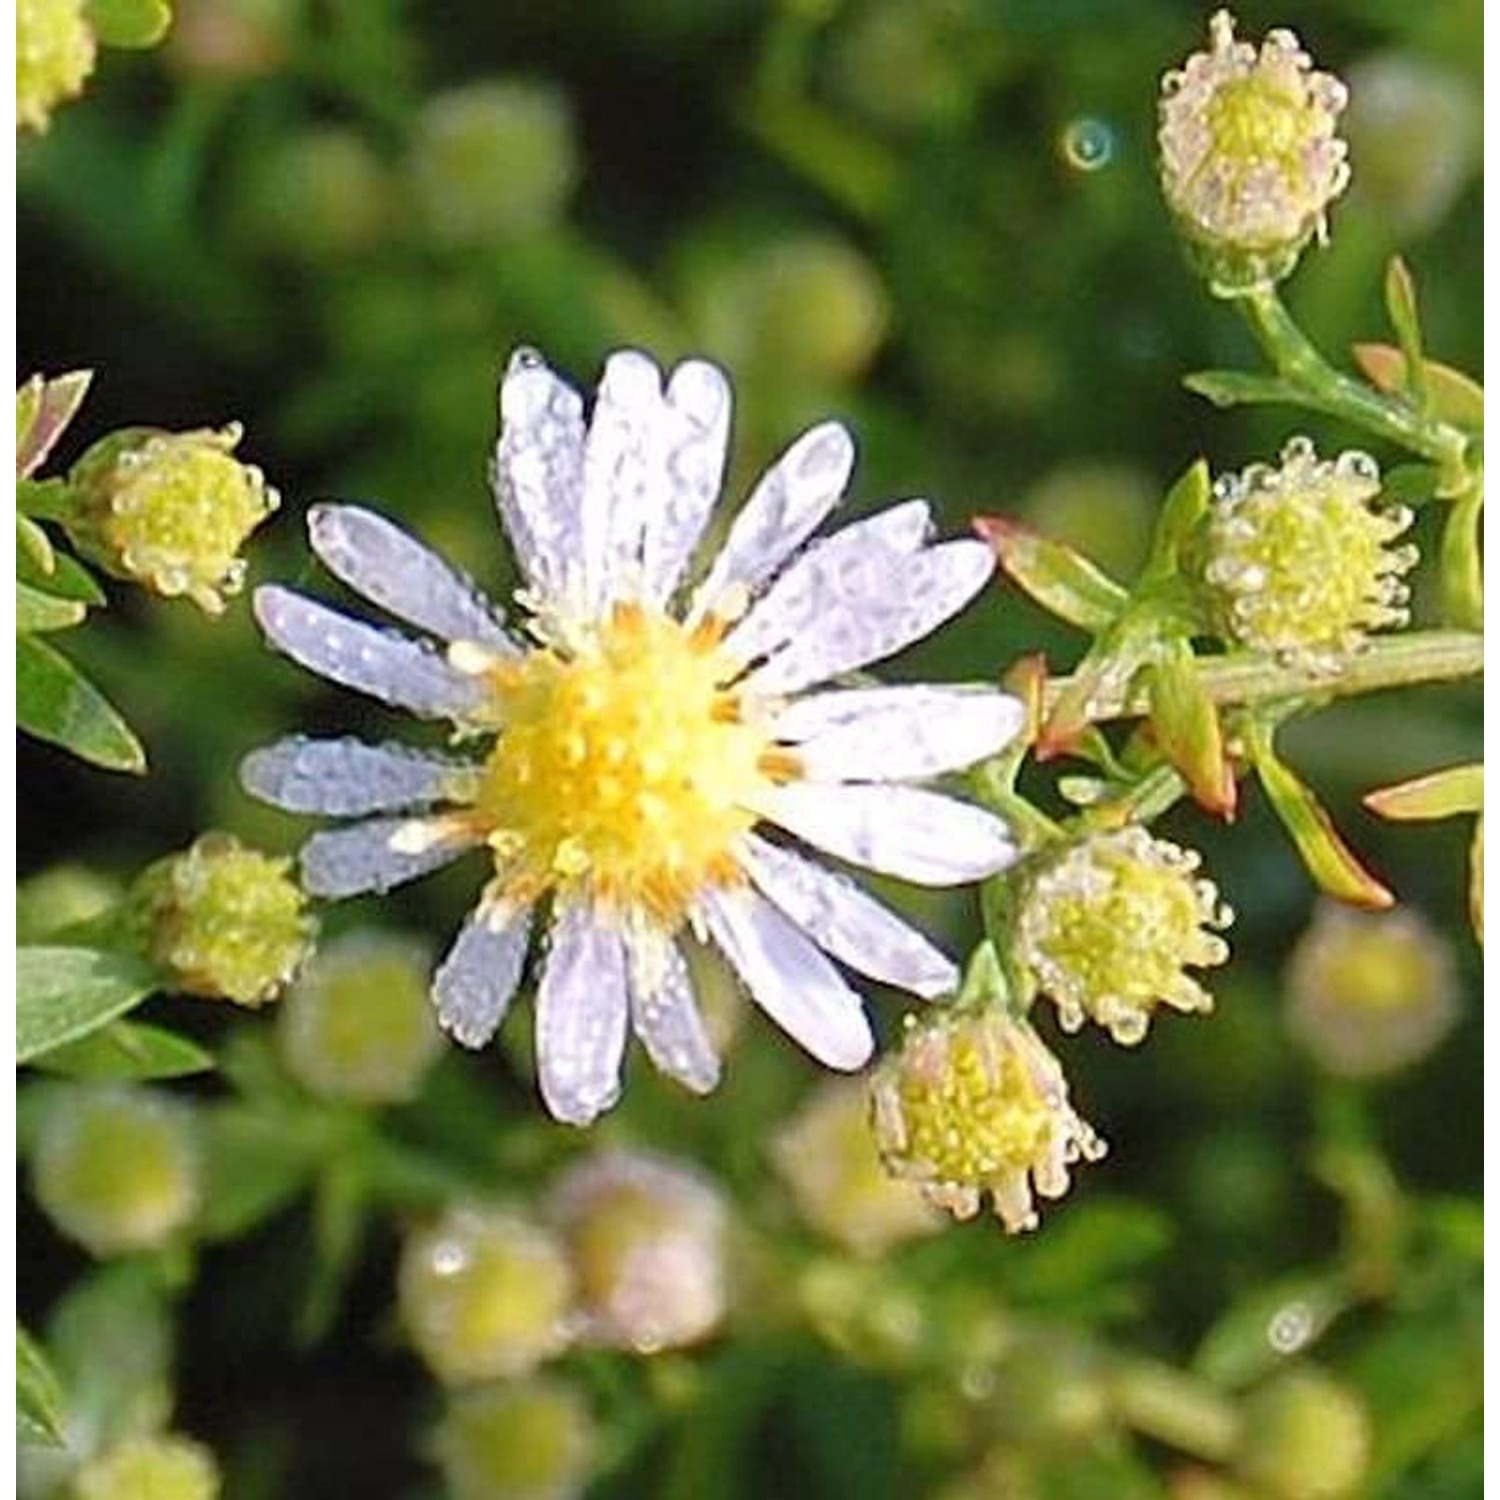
(526, 1440)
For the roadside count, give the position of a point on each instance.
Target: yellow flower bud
(646, 1238)
(1248, 155)
(1108, 927)
(170, 510)
(117, 1169)
(54, 57)
(1296, 560)
(485, 1294)
(225, 920)
(1306, 1436)
(163, 1466)
(973, 1102)
(533, 1440)
(357, 1022)
(1370, 992)
(825, 1153)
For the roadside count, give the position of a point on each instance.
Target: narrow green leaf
(46, 499)
(1401, 308)
(55, 702)
(1439, 794)
(63, 993)
(1452, 396)
(1058, 578)
(126, 1051)
(1329, 860)
(129, 23)
(1186, 504)
(1236, 387)
(43, 410)
(1264, 1328)
(34, 546)
(39, 1395)
(1186, 724)
(65, 576)
(38, 611)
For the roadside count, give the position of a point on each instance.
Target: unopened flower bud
(162, 1466)
(1305, 1436)
(54, 57)
(321, 195)
(973, 1102)
(1109, 926)
(224, 920)
(170, 510)
(646, 1238)
(1370, 992)
(531, 1440)
(357, 1022)
(117, 1168)
(1296, 561)
(826, 1155)
(1248, 155)
(493, 161)
(485, 1294)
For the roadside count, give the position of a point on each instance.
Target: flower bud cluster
(54, 56)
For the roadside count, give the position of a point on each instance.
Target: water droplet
(1290, 1328)
(1087, 144)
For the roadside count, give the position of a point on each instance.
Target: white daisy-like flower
(643, 732)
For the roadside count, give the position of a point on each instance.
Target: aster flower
(638, 742)
(974, 1103)
(1249, 156)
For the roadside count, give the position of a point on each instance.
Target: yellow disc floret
(623, 768)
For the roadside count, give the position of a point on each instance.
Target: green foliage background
(997, 303)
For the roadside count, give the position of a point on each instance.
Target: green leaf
(126, 1051)
(1186, 724)
(1439, 794)
(46, 499)
(1401, 308)
(129, 23)
(257, 1160)
(37, 610)
(1452, 396)
(1410, 484)
(1267, 1326)
(1236, 388)
(43, 410)
(1185, 505)
(34, 546)
(1329, 860)
(64, 576)
(55, 702)
(63, 993)
(1058, 578)
(39, 1395)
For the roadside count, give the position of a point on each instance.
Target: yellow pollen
(623, 769)
(1255, 119)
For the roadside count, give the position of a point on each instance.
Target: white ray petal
(789, 978)
(622, 481)
(393, 569)
(899, 603)
(904, 831)
(538, 472)
(380, 854)
(843, 570)
(791, 501)
(393, 668)
(346, 778)
(475, 983)
(664, 1013)
(582, 1007)
(897, 733)
(847, 922)
(691, 461)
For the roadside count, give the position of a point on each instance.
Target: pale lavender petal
(538, 472)
(664, 1013)
(903, 831)
(789, 978)
(582, 1008)
(346, 778)
(885, 609)
(389, 567)
(475, 983)
(396, 670)
(380, 854)
(792, 499)
(847, 922)
(897, 733)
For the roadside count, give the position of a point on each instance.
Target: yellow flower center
(1256, 120)
(624, 767)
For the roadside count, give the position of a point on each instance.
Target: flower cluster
(55, 53)
(642, 732)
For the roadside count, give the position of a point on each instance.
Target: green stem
(1405, 660)
(1176, 1408)
(1462, 568)
(1297, 360)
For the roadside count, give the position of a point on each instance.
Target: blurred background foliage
(331, 220)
